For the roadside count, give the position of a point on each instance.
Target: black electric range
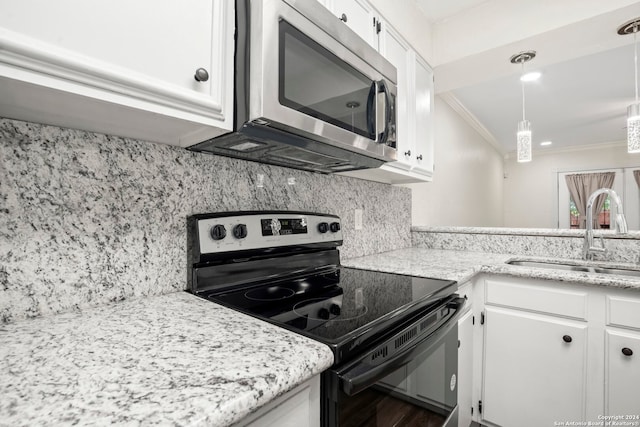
(284, 267)
(302, 286)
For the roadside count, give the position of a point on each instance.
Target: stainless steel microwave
(309, 93)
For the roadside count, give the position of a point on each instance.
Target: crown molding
(471, 120)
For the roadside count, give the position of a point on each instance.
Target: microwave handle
(352, 384)
(388, 113)
(372, 123)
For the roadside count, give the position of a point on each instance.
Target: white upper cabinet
(76, 63)
(423, 161)
(414, 109)
(399, 53)
(357, 15)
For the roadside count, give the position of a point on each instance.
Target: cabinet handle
(407, 153)
(627, 351)
(343, 18)
(201, 75)
(567, 338)
(419, 157)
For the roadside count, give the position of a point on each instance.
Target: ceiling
(437, 10)
(581, 98)
(577, 102)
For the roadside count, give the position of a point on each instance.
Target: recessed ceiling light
(546, 143)
(531, 77)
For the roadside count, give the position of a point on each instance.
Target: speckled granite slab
(527, 242)
(87, 219)
(464, 265)
(173, 359)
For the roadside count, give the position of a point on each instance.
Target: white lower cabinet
(622, 373)
(547, 353)
(465, 369)
(299, 407)
(534, 368)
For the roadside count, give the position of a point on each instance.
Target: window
(603, 217)
(568, 216)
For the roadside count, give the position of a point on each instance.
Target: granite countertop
(505, 231)
(181, 360)
(169, 359)
(463, 265)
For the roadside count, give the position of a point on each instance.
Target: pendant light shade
(633, 111)
(523, 140)
(633, 128)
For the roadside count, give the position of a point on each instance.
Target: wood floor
(371, 408)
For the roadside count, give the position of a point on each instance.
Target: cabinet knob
(419, 157)
(567, 338)
(627, 351)
(407, 153)
(343, 18)
(201, 75)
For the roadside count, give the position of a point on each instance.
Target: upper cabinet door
(143, 54)
(359, 16)
(399, 53)
(424, 118)
(157, 40)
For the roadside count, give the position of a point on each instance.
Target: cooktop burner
(270, 293)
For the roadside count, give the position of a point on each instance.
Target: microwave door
(303, 80)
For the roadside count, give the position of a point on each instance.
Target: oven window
(422, 392)
(316, 82)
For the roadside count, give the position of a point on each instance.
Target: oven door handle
(362, 375)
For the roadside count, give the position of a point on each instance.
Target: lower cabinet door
(622, 373)
(534, 369)
(465, 369)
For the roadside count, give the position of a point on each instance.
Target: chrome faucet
(589, 248)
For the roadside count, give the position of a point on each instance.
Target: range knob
(218, 232)
(240, 231)
(323, 227)
(324, 314)
(334, 309)
(335, 227)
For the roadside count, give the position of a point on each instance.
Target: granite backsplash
(549, 243)
(87, 219)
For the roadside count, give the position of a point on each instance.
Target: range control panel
(265, 230)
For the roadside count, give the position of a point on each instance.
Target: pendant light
(633, 111)
(524, 127)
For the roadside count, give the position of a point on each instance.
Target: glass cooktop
(339, 307)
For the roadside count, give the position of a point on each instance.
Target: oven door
(415, 387)
(306, 79)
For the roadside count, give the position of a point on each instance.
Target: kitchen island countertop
(171, 359)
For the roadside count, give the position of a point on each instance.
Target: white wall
(530, 189)
(467, 189)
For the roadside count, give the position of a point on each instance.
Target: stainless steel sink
(575, 267)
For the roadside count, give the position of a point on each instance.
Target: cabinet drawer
(537, 298)
(623, 312)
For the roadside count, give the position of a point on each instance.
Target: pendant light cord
(635, 56)
(522, 82)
